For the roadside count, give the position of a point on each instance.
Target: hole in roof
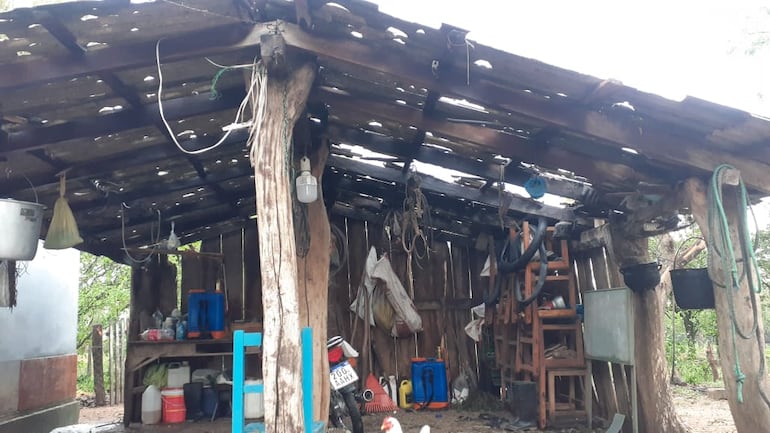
(428, 134)
(176, 204)
(315, 119)
(201, 189)
(396, 32)
(375, 124)
(337, 5)
(88, 17)
(563, 95)
(3, 37)
(33, 44)
(188, 195)
(149, 95)
(400, 101)
(81, 193)
(234, 161)
(527, 91)
(483, 64)
(463, 104)
(400, 89)
(420, 31)
(149, 78)
(134, 29)
(186, 132)
(624, 104)
(23, 53)
(629, 150)
(399, 41)
(219, 161)
(92, 44)
(356, 34)
(439, 147)
(162, 173)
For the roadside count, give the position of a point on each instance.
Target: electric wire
(238, 114)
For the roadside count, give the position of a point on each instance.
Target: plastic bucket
(20, 229)
(693, 289)
(254, 403)
(173, 405)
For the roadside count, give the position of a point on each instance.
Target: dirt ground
(700, 413)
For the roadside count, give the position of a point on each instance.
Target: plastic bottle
(405, 394)
(151, 405)
(180, 329)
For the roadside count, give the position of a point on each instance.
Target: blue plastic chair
(242, 340)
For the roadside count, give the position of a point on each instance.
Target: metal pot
(642, 276)
(20, 223)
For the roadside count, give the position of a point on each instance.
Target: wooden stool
(570, 407)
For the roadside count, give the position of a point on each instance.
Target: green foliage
(691, 330)
(105, 289)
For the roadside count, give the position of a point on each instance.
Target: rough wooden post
(313, 278)
(281, 353)
(656, 408)
(753, 415)
(96, 347)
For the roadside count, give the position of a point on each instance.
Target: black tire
(335, 411)
(354, 412)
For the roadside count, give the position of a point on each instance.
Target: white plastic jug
(151, 405)
(253, 404)
(178, 374)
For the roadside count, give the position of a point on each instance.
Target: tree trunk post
(313, 276)
(656, 408)
(97, 352)
(753, 415)
(281, 352)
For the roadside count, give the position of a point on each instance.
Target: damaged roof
(79, 93)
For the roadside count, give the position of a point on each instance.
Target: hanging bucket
(693, 289)
(642, 276)
(20, 229)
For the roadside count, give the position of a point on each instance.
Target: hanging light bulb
(307, 185)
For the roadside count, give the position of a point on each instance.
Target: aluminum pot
(20, 223)
(642, 276)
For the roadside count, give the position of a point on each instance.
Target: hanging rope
(722, 252)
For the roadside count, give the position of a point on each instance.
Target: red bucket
(173, 405)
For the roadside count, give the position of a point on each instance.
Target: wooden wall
(446, 286)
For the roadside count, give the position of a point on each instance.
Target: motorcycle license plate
(341, 375)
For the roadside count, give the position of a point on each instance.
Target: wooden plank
(489, 198)
(653, 141)
(512, 173)
(217, 40)
(98, 355)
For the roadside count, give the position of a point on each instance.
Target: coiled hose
(511, 260)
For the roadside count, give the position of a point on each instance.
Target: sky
(671, 48)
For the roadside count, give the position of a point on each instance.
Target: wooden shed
(429, 148)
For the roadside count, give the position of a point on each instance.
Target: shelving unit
(540, 344)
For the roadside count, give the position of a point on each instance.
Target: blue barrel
(429, 383)
(206, 314)
(209, 401)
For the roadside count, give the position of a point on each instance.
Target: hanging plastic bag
(63, 231)
(382, 310)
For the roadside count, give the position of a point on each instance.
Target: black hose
(540, 280)
(512, 260)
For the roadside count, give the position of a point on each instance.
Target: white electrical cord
(258, 79)
(238, 114)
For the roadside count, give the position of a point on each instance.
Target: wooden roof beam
(90, 127)
(519, 205)
(512, 173)
(216, 40)
(506, 144)
(652, 142)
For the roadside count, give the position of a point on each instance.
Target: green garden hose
(721, 251)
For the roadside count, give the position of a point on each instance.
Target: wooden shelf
(566, 313)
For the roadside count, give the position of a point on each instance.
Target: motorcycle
(345, 396)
